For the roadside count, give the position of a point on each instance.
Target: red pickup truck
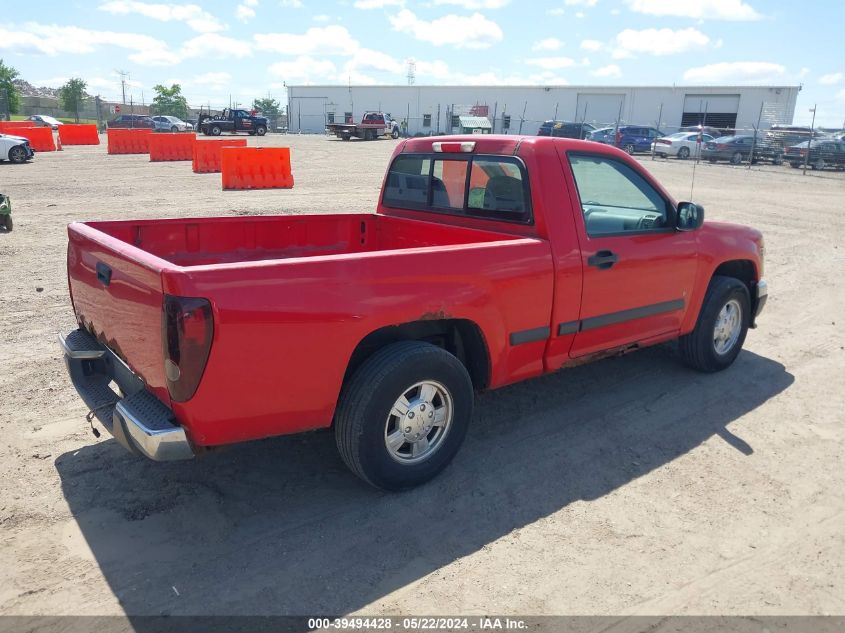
(489, 260)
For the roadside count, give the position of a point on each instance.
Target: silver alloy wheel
(418, 423)
(17, 154)
(728, 327)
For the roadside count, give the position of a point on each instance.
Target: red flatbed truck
(372, 125)
(489, 261)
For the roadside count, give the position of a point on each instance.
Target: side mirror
(690, 216)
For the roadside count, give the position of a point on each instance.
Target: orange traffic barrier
(84, 134)
(128, 140)
(172, 146)
(206, 155)
(256, 168)
(9, 125)
(40, 138)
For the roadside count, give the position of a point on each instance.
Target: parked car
(779, 137)
(42, 120)
(636, 138)
(382, 326)
(169, 124)
(681, 144)
(604, 135)
(702, 129)
(372, 126)
(15, 149)
(133, 121)
(232, 121)
(734, 149)
(823, 153)
(562, 129)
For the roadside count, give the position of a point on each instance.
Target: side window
(615, 198)
(497, 190)
(330, 117)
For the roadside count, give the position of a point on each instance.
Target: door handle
(603, 259)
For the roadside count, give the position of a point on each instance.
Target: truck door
(638, 269)
(242, 121)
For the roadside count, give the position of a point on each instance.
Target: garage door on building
(599, 108)
(721, 110)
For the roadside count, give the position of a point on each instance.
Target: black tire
(204, 131)
(216, 130)
(712, 161)
(683, 153)
(777, 160)
(395, 133)
(367, 399)
(736, 158)
(794, 165)
(345, 137)
(251, 132)
(629, 148)
(261, 130)
(17, 154)
(7, 223)
(819, 164)
(698, 349)
(663, 155)
(174, 129)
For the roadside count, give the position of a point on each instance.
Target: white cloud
(736, 72)
(325, 40)
(212, 45)
(611, 71)
(473, 31)
(659, 42)
(556, 11)
(580, 14)
(548, 44)
(244, 12)
(215, 81)
(474, 5)
(51, 39)
(292, 4)
(303, 69)
(831, 79)
(377, 4)
(580, 3)
(322, 18)
(551, 63)
(193, 15)
(697, 9)
(592, 45)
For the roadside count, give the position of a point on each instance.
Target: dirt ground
(630, 486)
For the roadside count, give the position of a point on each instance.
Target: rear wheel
(777, 160)
(819, 164)
(17, 154)
(736, 159)
(7, 222)
(721, 327)
(216, 130)
(629, 148)
(261, 130)
(683, 153)
(404, 415)
(794, 165)
(174, 129)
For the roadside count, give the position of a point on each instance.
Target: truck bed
(207, 241)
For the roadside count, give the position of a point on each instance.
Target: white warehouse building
(521, 109)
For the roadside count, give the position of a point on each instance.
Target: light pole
(810, 140)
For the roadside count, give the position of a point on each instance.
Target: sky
(219, 50)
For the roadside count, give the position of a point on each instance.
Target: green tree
(71, 95)
(268, 106)
(8, 88)
(170, 101)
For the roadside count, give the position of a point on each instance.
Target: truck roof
(507, 143)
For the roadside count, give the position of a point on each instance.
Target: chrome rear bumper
(138, 420)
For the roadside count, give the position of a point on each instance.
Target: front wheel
(721, 328)
(261, 130)
(174, 129)
(736, 159)
(629, 148)
(819, 164)
(17, 154)
(404, 415)
(395, 133)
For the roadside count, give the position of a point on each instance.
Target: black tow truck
(232, 121)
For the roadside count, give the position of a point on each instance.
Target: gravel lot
(630, 486)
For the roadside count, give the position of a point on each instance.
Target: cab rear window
(488, 187)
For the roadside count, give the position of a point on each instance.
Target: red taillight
(664, 141)
(187, 331)
(722, 146)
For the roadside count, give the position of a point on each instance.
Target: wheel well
(742, 269)
(459, 337)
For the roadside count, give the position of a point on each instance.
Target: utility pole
(810, 140)
(124, 75)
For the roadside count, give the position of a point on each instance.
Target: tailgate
(117, 296)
